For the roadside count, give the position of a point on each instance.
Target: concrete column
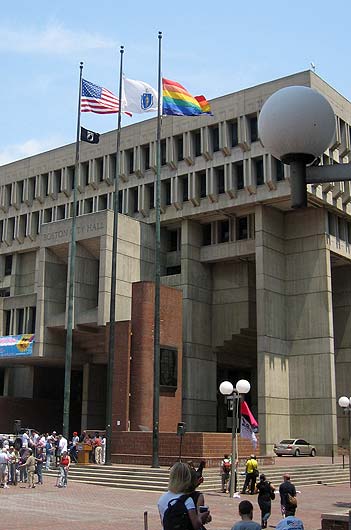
(309, 321)
(341, 283)
(272, 348)
(199, 393)
(85, 397)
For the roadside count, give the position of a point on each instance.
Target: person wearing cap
(30, 465)
(287, 489)
(251, 474)
(290, 523)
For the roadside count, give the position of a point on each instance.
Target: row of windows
(20, 320)
(100, 169)
(339, 227)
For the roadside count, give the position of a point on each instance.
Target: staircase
(148, 479)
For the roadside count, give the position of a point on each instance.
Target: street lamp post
(227, 389)
(345, 404)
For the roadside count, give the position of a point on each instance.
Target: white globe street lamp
(345, 403)
(226, 388)
(296, 125)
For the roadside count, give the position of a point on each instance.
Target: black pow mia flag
(89, 136)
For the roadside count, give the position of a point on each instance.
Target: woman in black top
(265, 496)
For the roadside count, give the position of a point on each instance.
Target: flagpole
(72, 261)
(112, 328)
(156, 400)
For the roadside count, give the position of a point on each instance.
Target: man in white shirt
(4, 459)
(62, 444)
(25, 439)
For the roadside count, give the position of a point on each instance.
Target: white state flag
(138, 97)
(247, 432)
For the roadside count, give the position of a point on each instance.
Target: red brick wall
(121, 376)
(141, 387)
(136, 447)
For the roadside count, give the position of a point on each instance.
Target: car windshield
(287, 442)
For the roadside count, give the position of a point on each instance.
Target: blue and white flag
(247, 432)
(138, 97)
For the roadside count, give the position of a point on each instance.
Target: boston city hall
(250, 287)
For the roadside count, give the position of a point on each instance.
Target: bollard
(145, 521)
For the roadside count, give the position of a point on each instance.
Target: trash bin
(83, 453)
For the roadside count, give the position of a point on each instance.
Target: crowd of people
(182, 506)
(25, 456)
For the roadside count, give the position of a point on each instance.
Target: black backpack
(176, 516)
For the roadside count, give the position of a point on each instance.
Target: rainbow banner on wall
(176, 101)
(16, 345)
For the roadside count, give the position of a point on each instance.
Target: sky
(212, 48)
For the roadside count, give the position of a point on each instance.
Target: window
(57, 180)
(48, 215)
(35, 223)
(253, 129)
(20, 190)
(196, 135)
(331, 224)
(70, 178)
(349, 232)
(176, 269)
(20, 320)
(130, 161)
(259, 172)
(99, 169)
(239, 168)
(163, 153)
(341, 229)
(145, 153)
(220, 179)
(279, 169)
(167, 191)
(31, 319)
(151, 189)
(31, 189)
(135, 195)
(206, 234)
(4, 293)
(84, 174)
(60, 212)
(242, 227)
(120, 201)
(168, 368)
(45, 184)
(223, 231)
(102, 202)
(7, 322)
(172, 240)
(201, 176)
(184, 185)
(8, 265)
(214, 132)
(8, 189)
(88, 205)
(179, 147)
(233, 133)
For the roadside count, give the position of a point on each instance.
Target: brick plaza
(82, 506)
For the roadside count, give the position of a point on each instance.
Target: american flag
(98, 99)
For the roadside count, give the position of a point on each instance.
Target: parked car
(295, 447)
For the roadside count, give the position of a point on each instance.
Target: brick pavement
(84, 506)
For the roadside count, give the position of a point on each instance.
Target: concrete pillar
(341, 283)
(272, 347)
(85, 397)
(199, 393)
(23, 378)
(309, 328)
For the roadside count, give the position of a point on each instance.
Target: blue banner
(16, 345)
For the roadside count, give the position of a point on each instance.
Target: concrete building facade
(266, 291)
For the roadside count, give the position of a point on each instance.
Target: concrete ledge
(336, 520)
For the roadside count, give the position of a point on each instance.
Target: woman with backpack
(176, 507)
(266, 494)
(226, 467)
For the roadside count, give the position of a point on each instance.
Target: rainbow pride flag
(176, 101)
